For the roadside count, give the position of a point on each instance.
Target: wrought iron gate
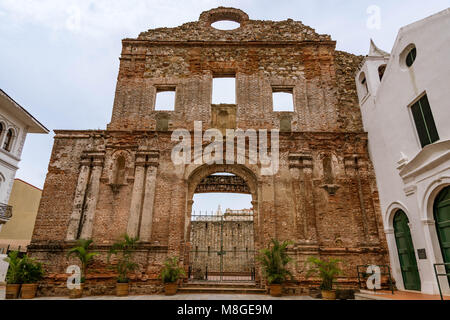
(222, 247)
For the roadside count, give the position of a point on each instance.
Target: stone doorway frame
(194, 178)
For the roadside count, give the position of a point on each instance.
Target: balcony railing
(5, 212)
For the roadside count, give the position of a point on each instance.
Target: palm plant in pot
(31, 272)
(274, 262)
(123, 249)
(327, 270)
(13, 280)
(82, 252)
(170, 274)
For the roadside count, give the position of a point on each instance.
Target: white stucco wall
(9, 160)
(16, 119)
(409, 177)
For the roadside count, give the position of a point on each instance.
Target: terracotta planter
(28, 291)
(170, 289)
(122, 289)
(12, 291)
(328, 295)
(77, 293)
(276, 290)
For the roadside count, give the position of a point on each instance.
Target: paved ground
(402, 295)
(191, 297)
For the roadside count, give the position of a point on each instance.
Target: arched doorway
(221, 243)
(406, 253)
(442, 218)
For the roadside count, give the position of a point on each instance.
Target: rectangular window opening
(165, 99)
(224, 89)
(283, 99)
(424, 121)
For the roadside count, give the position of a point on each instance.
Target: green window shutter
(425, 125)
(429, 120)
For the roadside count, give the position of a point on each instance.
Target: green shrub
(274, 261)
(123, 249)
(326, 270)
(30, 271)
(13, 274)
(171, 272)
(81, 251)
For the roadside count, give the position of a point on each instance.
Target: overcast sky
(59, 58)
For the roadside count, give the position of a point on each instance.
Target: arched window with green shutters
(406, 253)
(442, 218)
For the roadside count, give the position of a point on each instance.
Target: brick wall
(331, 214)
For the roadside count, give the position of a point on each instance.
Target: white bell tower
(369, 77)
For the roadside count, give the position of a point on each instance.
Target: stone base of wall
(99, 288)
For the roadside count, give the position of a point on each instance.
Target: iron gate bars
(447, 274)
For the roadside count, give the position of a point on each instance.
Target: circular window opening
(407, 57)
(225, 25)
(411, 57)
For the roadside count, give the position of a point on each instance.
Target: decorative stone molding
(428, 222)
(222, 13)
(226, 184)
(147, 158)
(354, 162)
(410, 190)
(141, 208)
(95, 158)
(331, 188)
(350, 164)
(86, 194)
(402, 162)
(300, 161)
(426, 160)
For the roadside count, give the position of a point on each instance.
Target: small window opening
(364, 87)
(119, 174)
(283, 99)
(165, 100)
(327, 169)
(411, 57)
(224, 90)
(381, 71)
(8, 140)
(225, 25)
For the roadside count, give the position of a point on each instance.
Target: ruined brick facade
(104, 183)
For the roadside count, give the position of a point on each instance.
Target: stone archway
(242, 181)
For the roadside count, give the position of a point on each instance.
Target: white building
(15, 124)
(405, 103)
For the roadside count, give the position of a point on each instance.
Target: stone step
(364, 296)
(221, 290)
(220, 284)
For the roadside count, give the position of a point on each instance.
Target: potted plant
(31, 272)
(81, 251)
(170, 274)
(274, 261)
(123, 249)
(328, 272)
(13, 275)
